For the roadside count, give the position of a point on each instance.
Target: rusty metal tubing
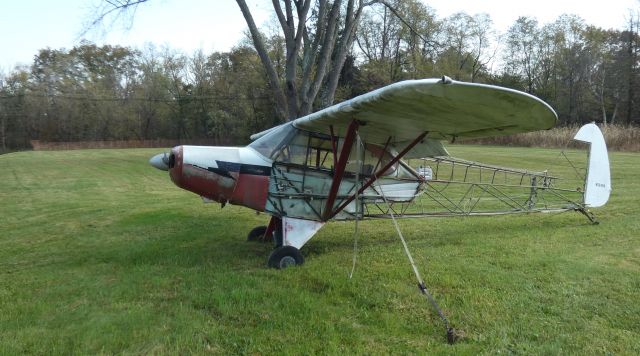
(386, 146)
(327, 213)
(379, 173)
(272, 226)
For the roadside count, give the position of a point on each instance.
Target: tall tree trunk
(311, 89)
(602, 102)
(274, 81)
(321, 59)
(324, 52)
(351, 22)
(293, 36)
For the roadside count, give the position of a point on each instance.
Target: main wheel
(285, 256)
(257, 234)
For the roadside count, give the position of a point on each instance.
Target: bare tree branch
(117, 8)
(274, 82)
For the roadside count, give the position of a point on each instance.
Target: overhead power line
(110, 98)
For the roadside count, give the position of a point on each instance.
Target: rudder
(597, 187)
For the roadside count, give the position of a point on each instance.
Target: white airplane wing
(444, 108)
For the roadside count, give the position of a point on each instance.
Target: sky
(217, 25)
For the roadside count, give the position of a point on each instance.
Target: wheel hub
(287, 261)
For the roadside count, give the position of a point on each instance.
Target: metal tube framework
(379, 173)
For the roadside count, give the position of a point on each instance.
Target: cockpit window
(289, 145)
(269, 144)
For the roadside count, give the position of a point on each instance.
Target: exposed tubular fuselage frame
(509, 191)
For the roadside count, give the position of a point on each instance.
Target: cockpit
(304, 166)
(286, 144)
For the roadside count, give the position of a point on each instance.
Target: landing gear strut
(283, 256)
(288, 236)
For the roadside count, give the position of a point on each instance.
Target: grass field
(100, 253)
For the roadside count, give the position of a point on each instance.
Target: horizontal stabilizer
(597, 186)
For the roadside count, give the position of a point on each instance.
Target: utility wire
(355, 233)
(107, 98)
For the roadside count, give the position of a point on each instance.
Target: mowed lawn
(101, 253)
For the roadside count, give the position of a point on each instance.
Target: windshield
(272, 141)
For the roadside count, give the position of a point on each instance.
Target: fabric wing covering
(444, 108)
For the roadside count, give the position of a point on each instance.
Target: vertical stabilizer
(597, 187)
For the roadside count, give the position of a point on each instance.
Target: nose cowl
(175, 164)
(160, 161)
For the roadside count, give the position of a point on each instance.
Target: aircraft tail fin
(597, 187)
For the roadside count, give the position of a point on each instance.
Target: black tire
(257, 234)
(285, 256)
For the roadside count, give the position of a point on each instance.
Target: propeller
(160, 161)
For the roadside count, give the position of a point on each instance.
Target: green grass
(100, 253)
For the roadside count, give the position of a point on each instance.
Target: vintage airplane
(348, 161)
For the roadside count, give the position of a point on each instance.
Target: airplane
(350, 161)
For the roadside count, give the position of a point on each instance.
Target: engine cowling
(198, 170)
(237, 175)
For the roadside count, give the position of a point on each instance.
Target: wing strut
(339, 170)
(376, 175)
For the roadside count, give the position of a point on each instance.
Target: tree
(481, 36)
(85, 83)
(466, 42)
(520, 57)
(317, 42)
(631, 40)
(379, 40)
(602, 75)
(16, 124)
(397, 41)
(117, 93)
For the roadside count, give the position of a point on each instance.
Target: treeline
(116, 93)
(100, 93)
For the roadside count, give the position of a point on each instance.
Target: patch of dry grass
(618, 137)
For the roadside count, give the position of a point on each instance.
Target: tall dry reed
(618, 138)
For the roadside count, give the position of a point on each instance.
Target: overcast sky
(187, 25)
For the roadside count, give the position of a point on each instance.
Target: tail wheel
(285, 256)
